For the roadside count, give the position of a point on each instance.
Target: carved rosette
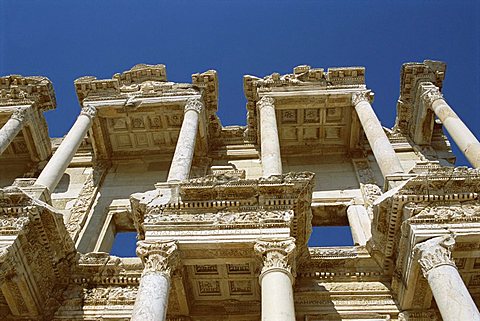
(89, 110)
(20, 114)
(277, 255)
(266, 101)
(359, 96)
(160, 257)
(434, 252)
(430, 95)
(194, 104)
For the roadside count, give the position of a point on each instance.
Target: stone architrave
(270, 144)
(276, 278)
(55, 168)
(13, 126)
(182, 159)
(382, 149)
(463, 137)
(450, 293)
(160, 258)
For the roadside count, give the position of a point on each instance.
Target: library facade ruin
(223, 214)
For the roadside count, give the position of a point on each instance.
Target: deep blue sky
(66, 40)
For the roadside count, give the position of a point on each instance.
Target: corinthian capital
(89, 110)
(430, 94)
(359, 96)
(266, 101)
(21, 114)
(434, 252)
(194, 104)
(158, 256)
(276, 254)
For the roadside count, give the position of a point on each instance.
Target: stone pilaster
(463, 137)
(55, 168)
(13, 126)
(182, 159)
(270, 144)
(382, 149)
(160, 258)
(450, 293)
(276, 278)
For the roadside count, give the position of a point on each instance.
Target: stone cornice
(20, 90)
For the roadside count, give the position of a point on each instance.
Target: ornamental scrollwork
(434, 252)
(359, 96)
(431, 94)
(89, 110)
(158, 256)
(194, 104)
(276, 253)
(266, 101)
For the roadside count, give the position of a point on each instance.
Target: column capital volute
(434, 252)
(277, 255)
(194, 104)
(21, 114)
(430, 94)
(89, 111)
(364, 95)
(158, 256)
(266, 101)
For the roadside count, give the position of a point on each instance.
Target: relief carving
(158, 256)
(434, 252)
(276, 253)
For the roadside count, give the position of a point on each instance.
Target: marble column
(56, 166)
(360, 224)
(276, 278)
(382, 149)
(463, 137)
(450, 293)
(159, 258)
(12, 127)
(270, 144)
(182, 159)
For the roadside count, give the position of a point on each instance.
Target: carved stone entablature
(223, 219)
(277, 254)
(158, 256)
(438, 188)
(413, 116)
(140, 81)
(96, 268)
(360, 96)
(421, 315)
(20, 90)
(32, 277)
(434, 252)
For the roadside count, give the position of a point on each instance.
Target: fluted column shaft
(450, 293)
(56, 166)
(382, 149)
(160, 259)
(270, 144)
(276, 278)
(12, 127)
(463, 137)
(182, 159)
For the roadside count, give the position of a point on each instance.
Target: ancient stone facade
(223, 214)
